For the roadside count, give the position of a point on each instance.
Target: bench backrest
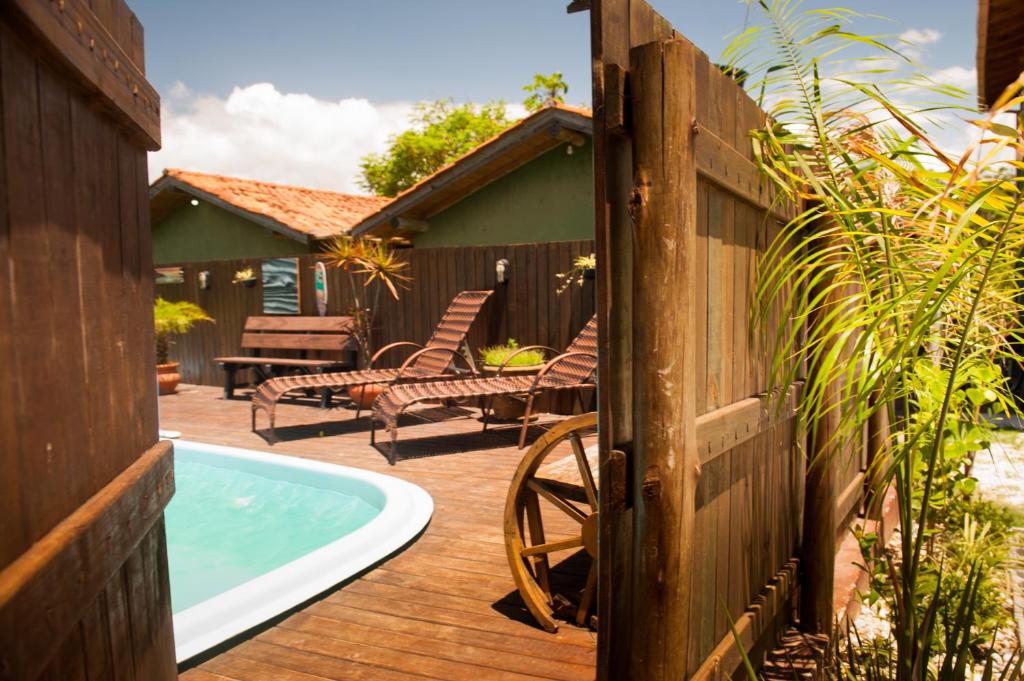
(298, 333)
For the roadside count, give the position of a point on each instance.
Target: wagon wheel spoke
(551, 547)
(559, 503)
(541, 567)
(585, 473)
(588, 595)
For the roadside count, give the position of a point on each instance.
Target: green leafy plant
(582, 266)
(494, 355)
(898, 283)
(172, 319)
(545, 91)
(441, 131)
(370, 267)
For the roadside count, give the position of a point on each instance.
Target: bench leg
(262, 374)
(325, 394)
(229, 381)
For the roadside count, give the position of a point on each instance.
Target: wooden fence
(526, 307)
(84, 589)
(702, 472)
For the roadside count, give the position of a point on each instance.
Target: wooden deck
(443, 608)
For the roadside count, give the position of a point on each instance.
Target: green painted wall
(551, 198)
(206, 232)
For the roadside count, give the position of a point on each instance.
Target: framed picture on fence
(281, 286)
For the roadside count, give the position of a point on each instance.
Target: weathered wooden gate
(83, 570)
(702, 473)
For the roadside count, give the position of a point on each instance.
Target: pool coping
(407, 510)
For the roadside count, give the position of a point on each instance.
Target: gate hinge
(620, 486)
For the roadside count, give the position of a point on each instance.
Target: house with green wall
(532, 183)
(198, 217)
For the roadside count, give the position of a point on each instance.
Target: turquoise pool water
(226, 526)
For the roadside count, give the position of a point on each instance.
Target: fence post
(818, 552)
(878, 460)
(665, 462)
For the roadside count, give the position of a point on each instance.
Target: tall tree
(441, 132)
(545, 91)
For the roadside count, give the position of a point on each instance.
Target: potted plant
(370, 267)
(584, 268)
(246, 277)
(506, 360)
(169, 319)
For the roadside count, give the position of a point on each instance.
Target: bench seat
(294, 334)
(283, 362)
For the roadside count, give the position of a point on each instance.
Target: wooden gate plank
(38, 604)
(665, 436)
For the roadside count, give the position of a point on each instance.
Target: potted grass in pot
(509, 359)
(172, 319)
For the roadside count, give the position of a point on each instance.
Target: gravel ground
(1000, 477)
(1000, 473)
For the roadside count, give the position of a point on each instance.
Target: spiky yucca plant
(379, 268)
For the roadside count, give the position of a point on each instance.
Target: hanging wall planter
(246, 277)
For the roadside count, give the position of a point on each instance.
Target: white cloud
(957, 76)
(921, 36)
(262, 133)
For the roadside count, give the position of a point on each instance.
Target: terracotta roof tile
(315, 212)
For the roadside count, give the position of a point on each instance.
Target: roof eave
(378, 223)
(167, 182)
(1000, 53)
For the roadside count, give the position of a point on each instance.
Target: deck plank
(446, 606)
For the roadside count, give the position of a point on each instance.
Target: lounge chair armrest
(389, 347)
(555, 362)
(523, 349)
(419, 353)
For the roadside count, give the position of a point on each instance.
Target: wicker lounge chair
(571, 370)
(431, 362)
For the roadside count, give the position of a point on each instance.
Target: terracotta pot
(506, 408)
(365, 395)
(167, 377)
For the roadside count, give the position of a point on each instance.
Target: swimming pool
(250, 535)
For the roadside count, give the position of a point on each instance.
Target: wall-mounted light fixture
(501, 270)
(204, 279)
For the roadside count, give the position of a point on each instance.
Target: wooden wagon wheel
(553, 478)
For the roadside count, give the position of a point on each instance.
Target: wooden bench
(300, 334)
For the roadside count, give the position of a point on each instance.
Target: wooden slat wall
(77, 395)
(749, 496)
(525, 308)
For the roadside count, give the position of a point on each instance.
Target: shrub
(494, 355)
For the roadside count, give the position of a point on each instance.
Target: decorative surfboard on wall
(281, 286)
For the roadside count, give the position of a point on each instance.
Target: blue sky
(249, 88)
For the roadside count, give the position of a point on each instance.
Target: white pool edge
(407, 510)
